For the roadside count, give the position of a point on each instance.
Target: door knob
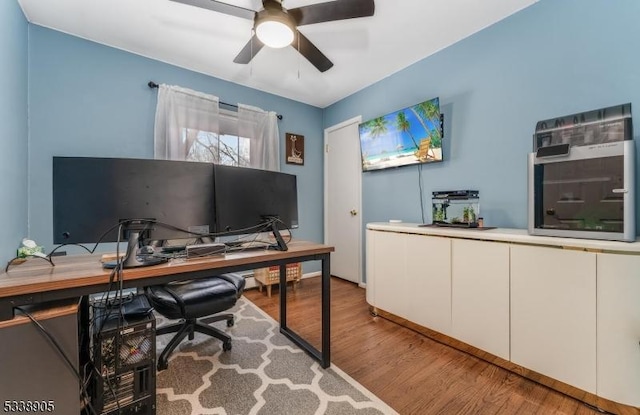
(353, 212)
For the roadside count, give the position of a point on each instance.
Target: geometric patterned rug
(264, 373)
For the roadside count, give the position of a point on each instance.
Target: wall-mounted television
(412, 135)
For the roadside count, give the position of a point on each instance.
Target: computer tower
(123, 352)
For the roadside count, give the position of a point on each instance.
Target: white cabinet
(428, 296)
(386, 276)
(568, 314)
(410, 276)
(480, 295)
(619, 328)
(553, 313)
(370, 268)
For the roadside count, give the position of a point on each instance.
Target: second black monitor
(246, 198)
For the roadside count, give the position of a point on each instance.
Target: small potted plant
(471, 214)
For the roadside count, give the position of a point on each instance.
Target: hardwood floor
(410, 372)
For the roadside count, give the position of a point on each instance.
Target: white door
(342, 199)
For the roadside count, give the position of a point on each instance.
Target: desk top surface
(36, 275)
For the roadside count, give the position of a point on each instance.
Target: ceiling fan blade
(249, 50)
(312, 53)
(332, 10)
(220, 7)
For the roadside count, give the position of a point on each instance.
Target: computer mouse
(146, 250)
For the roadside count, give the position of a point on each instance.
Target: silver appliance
(582, 176)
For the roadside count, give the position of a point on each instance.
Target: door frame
(327, 131)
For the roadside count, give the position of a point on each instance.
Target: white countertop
(520, 236)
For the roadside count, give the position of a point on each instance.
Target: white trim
(250, 281)
(311, 274)
(354, 120)
(343, 124)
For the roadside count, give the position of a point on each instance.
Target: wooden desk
(36, 281)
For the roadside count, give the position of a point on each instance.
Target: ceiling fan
(277, 27)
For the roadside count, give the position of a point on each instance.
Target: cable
(253, 240)
(54, 342)
(242, 230)
(95, 246)
(105, 381)
(86, 376)
(109, 382)
(148, 224)
(90, 251)
(74, 244)
(106, 304)
(259, 228)
(116, 272)
(14, 260)
(421, 191)
(288, 229)
(119, 280)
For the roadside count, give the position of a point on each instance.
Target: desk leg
(326, 312)
(283, 296)
(323, 356)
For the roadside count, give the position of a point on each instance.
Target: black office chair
(191, 300)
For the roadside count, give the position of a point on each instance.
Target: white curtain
(180, 114)
(261, 127)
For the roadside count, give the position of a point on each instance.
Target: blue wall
(554, 58)
(13, 128)
(87, 99)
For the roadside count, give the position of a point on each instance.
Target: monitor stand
(131, 260)
(280, 244)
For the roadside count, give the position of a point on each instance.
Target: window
(190, 125)
(224, 148)
(215, 148)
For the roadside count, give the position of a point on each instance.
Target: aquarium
(456, 208)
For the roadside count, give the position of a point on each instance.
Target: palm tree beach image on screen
(409, 136)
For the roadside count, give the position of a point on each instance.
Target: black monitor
(93, 195)
(252, 200)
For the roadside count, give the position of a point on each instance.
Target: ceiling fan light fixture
(274, 28)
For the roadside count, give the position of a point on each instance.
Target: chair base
(188, 327)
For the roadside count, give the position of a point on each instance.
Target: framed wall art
(294, 149)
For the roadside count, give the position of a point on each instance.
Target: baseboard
(312, 274)
(250, 281)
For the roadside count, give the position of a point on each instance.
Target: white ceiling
(363, 50)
